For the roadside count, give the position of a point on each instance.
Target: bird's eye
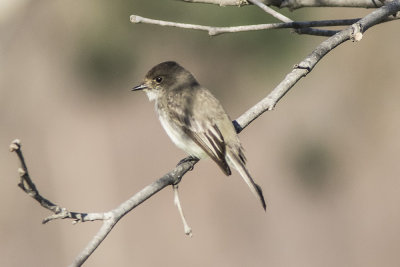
(158, 79)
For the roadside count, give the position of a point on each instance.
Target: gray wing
(201, 125)
(212, 142)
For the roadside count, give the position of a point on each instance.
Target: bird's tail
(240, 166)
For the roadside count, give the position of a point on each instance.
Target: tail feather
(235, 162)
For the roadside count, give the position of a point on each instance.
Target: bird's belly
(181, 139)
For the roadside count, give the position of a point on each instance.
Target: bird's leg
(187, 159)
(188, 230)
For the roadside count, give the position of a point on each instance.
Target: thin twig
(270, 11)
(309, 31)
(316, 32)
(27, 185)
(177, 202)
(220, 30)
(295, 4)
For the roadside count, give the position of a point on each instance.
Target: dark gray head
(166, 76)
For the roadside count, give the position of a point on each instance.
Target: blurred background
(326, 157)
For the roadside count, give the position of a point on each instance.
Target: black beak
(139, 87)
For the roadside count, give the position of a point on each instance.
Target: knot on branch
(356, 34)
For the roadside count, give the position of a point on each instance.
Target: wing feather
(212, 142)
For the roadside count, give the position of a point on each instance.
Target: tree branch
(27, 185)
(270, 11)
(212, 31)
(309, 31)
(295, 4)
(109, 218)
(354, 32)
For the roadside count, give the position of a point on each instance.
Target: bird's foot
(188, 159)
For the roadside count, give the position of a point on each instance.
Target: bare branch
(220, 2)
(270, 11)
(109, 218)
(316, 32)
(309, 31)
(27, 185)
(113, 216)
(186, 227)
(295, 4)
(220, 30)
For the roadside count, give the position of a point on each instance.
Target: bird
(195, 120)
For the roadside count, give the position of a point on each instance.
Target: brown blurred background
(327, 157)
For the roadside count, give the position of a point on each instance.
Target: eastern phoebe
(195, 120)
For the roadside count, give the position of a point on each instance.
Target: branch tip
(135, 19)
(186, 227)
(15, 145)
(17, 141)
